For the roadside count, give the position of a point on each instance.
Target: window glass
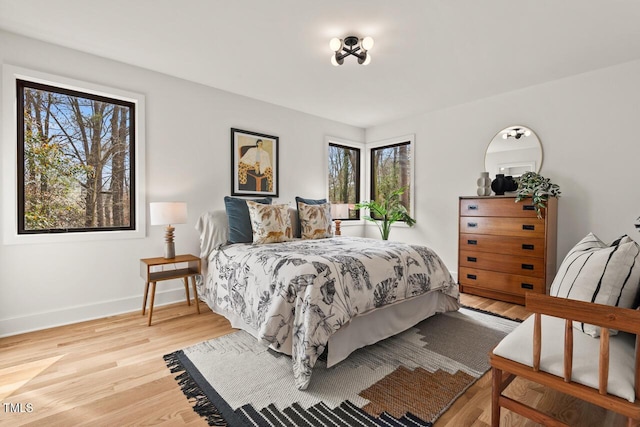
(75, 161)
(344, 181)
(391, 170)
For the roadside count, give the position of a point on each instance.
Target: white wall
(588, 128)
(187, 158)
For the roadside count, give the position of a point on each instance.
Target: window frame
(11, 169)
(387, 143)
(361, 176)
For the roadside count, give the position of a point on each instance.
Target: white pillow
(596, 272)
(213, 227)
(315, 221)
(270, 223)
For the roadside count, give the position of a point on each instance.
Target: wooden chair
(505, 370)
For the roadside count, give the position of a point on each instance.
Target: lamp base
(169, 250)
(169, 246)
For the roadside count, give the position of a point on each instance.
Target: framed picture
(254, 164)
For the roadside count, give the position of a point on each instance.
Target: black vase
(500, 184)
(512, 185)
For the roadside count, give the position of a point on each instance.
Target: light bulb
(527, 132)
(504, 136)
(335, 44)
(334, 61)
(367, 43)
(367, 60)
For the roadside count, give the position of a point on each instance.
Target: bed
(338, 294)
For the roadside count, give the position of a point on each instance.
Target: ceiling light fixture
(516, 133)
(351, 45)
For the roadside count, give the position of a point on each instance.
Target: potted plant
(387, 211)
(538, 188)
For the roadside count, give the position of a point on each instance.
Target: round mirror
(513, 151)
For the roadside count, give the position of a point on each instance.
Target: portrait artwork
(254, 160)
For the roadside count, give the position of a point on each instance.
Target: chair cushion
(596, 272)
(238, 217)
(518, 346)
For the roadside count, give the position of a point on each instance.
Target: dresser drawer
(497, 207)
(520, 227)
(502, 282)
(516, 246)
(533, 267)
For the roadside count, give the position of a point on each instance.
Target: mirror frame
(513, 131)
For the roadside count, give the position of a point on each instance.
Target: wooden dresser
(504, 250)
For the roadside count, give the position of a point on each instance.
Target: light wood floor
(110, 372)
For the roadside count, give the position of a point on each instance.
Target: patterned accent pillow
(596, 272)
(315, 221)
(308, 202)
(270, 223)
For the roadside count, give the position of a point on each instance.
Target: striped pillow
(596, 272)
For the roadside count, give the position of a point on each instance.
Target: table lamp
(167, 213)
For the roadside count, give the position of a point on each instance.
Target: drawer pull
(528, 227)
(472, 242)
(472, 259)
(526, 285)
(471, 276)
(528, 208)
(473, 207)
(527, 266)
(527, 247)
(472, 224)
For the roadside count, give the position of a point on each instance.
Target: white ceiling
(428, 54)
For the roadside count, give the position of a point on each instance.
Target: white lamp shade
(163, 213)
(367, 59)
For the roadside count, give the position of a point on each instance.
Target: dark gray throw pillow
(239, 220)
(307, 202)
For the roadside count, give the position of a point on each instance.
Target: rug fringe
(201, 403)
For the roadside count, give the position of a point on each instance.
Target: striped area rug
(406, 380)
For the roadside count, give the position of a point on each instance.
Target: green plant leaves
(538, 188)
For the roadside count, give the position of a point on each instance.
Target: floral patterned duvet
(302, 292)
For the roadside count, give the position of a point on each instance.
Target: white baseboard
(69, 315)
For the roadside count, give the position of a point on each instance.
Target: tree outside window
(391, 170)
(75, 161)
(344, 181)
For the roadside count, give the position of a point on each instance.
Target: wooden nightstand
(193, 268)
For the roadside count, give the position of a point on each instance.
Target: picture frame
(254, 164)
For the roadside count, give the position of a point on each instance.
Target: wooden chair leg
(186, 290)
(195, 293)
(496, 391)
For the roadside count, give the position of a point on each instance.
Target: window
(391, 170)
(74, 161)
(72, 169)
(344, 181)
